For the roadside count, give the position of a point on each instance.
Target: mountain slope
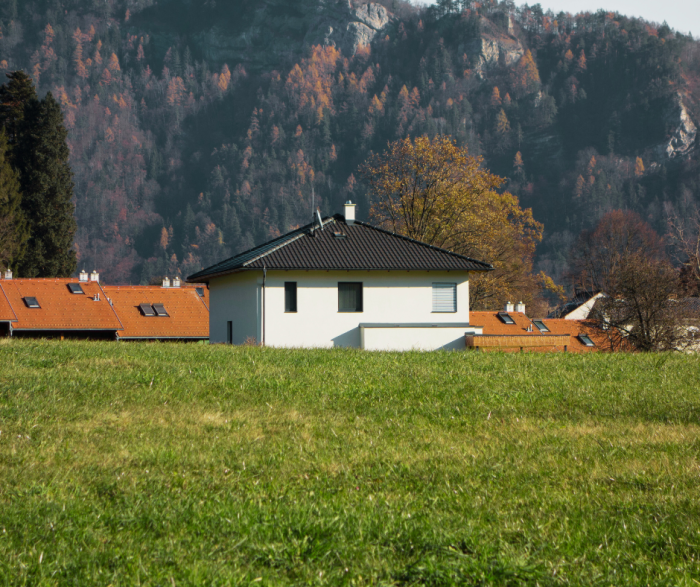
(199, 129)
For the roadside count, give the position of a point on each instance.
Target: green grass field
(165, 464)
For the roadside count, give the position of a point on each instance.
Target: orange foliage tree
(435, 192)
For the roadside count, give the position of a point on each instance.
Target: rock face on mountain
(347, 28)
(492, 48)
(682, 139)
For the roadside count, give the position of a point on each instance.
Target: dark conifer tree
(13, 225)
(47, 188)
(14, 97)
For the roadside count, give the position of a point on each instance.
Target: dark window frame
(343, 289)
(200, 291)
(290, 297)
(229, 332)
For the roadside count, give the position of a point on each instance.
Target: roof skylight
(505, 318)
(75, 288)
(585, 339)
(147, 310)
(32, 303)
(160, 310)
(540, 325)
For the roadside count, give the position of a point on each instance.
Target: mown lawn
(166, 464)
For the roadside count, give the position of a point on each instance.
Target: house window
(229, 332)
(75, 288)
(290, 296)
(349, 296)
(444, 297)
(586, 340)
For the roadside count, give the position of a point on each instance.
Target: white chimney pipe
(176, 282)
(83, 275)
(509, 307)
(94, 276)
(8, 274)
(166, 282)
(349, 212)
(520, 307)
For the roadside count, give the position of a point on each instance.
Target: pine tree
(13, 226)
(47, 188)
(14, 96)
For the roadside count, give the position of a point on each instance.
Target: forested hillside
(197, 129)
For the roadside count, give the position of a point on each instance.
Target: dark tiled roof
(345, 247)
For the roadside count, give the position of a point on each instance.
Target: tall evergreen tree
(14, 231)
(47, 187)
(14, 97)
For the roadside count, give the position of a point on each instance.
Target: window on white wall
(349, 296)
(444, 297)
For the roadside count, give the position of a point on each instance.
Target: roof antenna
(317, 218)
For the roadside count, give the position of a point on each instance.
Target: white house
(341, 282)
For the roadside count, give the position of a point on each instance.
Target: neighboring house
(161, 313)
(340, 282)
(58, 308)
(82, 308)
(579, 307)
(511, 330)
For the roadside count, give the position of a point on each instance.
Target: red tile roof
(188, 314)
(6, 313)
(494, 328)
(59, 308)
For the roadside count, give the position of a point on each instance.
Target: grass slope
(163, 464)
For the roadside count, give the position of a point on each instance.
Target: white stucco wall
(388, 298)
(235, 298)
(424, 338)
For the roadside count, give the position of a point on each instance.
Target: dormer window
(31, 303)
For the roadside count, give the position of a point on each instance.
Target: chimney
(8, 274)
(83, 275)
(349, 212)
(166, 282)
(94, 276)
(176, 282)
(520, 307)
(509, 307)
(96, 298)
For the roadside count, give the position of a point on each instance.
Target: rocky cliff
(684, 130)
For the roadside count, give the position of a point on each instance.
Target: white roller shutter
(444, 297)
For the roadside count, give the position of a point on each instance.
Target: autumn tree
(642, 307)
(598, 254)
(435, 192)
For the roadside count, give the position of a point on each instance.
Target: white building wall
(395, 297)
(234, 298)
(423, 338)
